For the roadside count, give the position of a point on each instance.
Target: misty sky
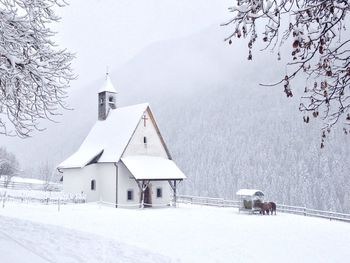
(110, 32)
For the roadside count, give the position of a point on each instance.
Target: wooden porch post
(173, 186)
(175, 193)
(142, 186)
(142, 195)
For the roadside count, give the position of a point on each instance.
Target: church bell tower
(107, 99)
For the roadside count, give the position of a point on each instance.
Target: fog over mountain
(223, 130)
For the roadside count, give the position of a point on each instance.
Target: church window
(101, 101)
(159, 193)
(110, 99)
(93, 185)
(145, 140)
(130, 195)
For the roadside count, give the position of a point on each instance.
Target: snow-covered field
(40, 195)
(94, 233)
(18, 179)
(17, 182)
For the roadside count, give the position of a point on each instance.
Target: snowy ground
(25, 241)
(91, 233)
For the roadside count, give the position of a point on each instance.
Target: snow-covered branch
(34, 73)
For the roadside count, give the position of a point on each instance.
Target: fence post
(304, 211)
(3, 200)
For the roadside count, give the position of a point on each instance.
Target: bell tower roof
(107, 86)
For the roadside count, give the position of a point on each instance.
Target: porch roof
(152, 168)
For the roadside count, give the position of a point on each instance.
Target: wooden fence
(44, 197)
(297, 210)
(209, 201)
(73, 199)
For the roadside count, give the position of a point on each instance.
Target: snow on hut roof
(144, 167)
(110, 136)
(107, 86)
(249, 192)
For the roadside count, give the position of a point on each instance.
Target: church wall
(107, 182)
(153, 147)
(127, 182)
(78, 180)
(166, 192)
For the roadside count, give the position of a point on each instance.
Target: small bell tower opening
(107, 99)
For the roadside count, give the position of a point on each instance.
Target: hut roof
(249, 192)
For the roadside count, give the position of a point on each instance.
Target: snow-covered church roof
(107, 139)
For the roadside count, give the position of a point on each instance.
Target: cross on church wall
(144, 117)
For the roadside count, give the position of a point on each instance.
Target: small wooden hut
(248, 198)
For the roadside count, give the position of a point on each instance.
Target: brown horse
(273, 207)
(264, 207)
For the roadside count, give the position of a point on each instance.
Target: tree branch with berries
(320, 50)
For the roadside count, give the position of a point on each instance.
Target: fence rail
(298, 210)
(30, 186)
(44, 197)
(197, 200)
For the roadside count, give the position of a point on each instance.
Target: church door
(148, 199)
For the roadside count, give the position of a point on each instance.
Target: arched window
(145, 140)
(110, 99)
(93, 185)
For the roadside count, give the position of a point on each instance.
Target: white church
(124, 160)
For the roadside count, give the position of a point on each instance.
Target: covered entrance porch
(150, 173)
